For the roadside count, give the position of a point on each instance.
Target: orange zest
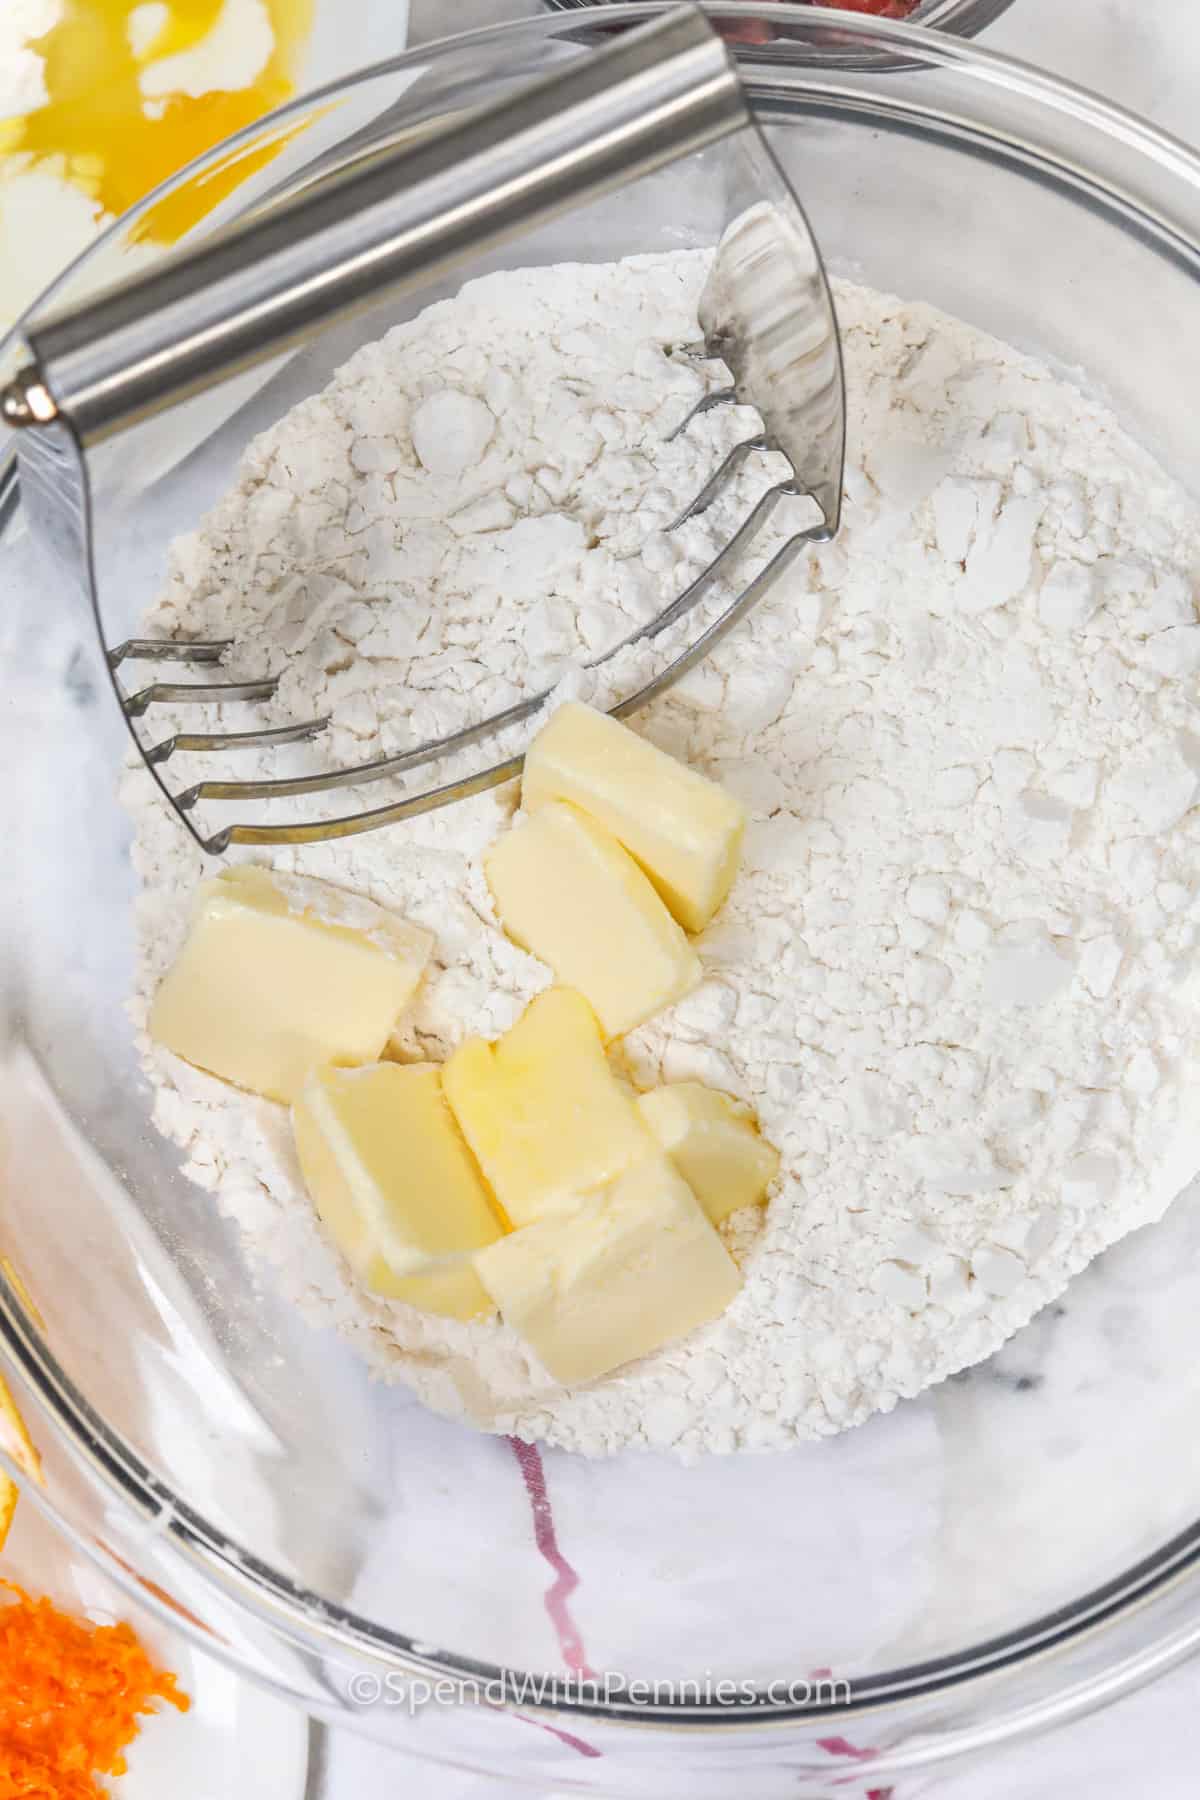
(9, 1495)
(71, 1699)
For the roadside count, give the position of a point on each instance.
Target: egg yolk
(103, 133)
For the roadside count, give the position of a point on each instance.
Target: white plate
(236, 1740)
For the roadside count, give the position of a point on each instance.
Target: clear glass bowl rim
(303, 1617)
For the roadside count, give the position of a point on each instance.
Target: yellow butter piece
(685, 830)
(541, 1109)
(281, 974)
(453, 1292)
(567, 892)
(716, 1147)
(629, 1270)
(394, 1184)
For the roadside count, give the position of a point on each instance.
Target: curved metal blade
(768, 313)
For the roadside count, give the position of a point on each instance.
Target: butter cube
(394, 1184)
(543, 1112)
(282, 973)
(685, 830)
(632, 1268)
(715, 1147)
(567, 892)
(452, 1292)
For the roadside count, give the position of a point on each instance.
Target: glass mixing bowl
(1018, 1545)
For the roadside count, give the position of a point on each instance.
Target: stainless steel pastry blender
(387, 223)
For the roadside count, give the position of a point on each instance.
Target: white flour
(954, 975)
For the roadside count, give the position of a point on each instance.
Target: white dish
(234, 1740)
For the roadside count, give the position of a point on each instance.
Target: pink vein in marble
(566, 1580)
(840, 1746)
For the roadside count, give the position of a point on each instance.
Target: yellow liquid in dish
(95, 131)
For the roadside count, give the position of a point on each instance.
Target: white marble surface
(1146, 55)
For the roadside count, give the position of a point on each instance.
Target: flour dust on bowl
(1014, 1544)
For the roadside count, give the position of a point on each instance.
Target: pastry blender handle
(393, 220)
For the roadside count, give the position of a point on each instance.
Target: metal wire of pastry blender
(389, 223)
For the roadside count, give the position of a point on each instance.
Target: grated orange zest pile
(70, 1698)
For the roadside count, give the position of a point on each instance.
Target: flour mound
(954, 978)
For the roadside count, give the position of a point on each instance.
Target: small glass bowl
(963, 18)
